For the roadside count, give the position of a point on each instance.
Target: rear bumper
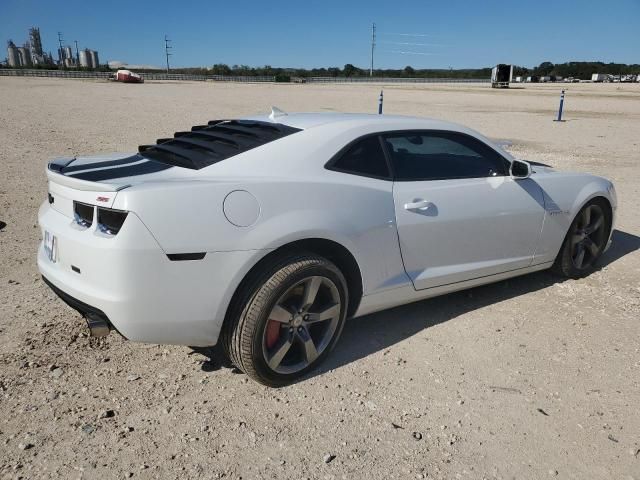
(129, 280)
(91, 314)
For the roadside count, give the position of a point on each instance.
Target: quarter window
(365, 158)
(441, 156)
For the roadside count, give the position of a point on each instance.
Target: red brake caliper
(273, 333)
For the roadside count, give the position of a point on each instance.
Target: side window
(442, 156)
(365, 157)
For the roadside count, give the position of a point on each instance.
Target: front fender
(564, 195)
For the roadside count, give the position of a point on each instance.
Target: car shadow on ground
(369, 334)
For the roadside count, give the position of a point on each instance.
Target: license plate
(50, 245)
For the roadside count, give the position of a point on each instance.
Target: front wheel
(585, 241)
(292, 317)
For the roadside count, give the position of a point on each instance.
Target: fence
(147, 76)
(228, 78)
(52, 73)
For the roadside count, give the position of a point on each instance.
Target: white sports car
(266, 233)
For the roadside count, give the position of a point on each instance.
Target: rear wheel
(585, 241)
(290, 318)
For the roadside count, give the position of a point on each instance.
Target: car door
(459, 214)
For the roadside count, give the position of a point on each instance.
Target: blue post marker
(380, 100)
(559, 119)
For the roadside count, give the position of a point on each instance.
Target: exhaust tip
(97, 326)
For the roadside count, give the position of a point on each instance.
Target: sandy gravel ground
(528, 378)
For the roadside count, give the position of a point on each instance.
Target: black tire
(593, 244)
(243, 337)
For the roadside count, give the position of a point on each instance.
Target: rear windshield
(205, 145)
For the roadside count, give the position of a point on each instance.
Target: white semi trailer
(501, 75)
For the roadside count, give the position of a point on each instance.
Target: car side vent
(178, 257)
(205, 145)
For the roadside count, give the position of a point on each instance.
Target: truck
(501, 75)
(598, 77)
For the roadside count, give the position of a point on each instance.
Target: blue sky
(299, 33)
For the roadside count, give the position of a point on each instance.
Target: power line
(411, 34)
(402, 52)
(167, 47)
(415, 44)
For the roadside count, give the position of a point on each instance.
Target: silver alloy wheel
(587, 239)
(301, 325)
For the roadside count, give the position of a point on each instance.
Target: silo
(94, 59)
(25, 56)
(85, 58)
(13, 55)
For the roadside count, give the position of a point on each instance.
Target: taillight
(110, 221)
(83, 214)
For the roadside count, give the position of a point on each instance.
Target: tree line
(582, 70)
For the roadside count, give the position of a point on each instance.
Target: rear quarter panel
(353, 211)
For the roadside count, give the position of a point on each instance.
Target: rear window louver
(207, 144)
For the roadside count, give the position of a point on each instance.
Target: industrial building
(38, 57)
(19, 56)
(95, 63)
(85, 59)
(32, 53)
(35, 41)
(89, 58)
(25, 56)
(13, 56)
(66, 57)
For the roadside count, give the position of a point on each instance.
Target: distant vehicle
(518, 80)
(501, 75)
(127, 76)
(599, 77)
(571, 80)
(264, 234)
(533, 79)
(545, 79)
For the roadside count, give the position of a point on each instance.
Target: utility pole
(60, 51)
(77, 54)
(167, 47)
(373, 45)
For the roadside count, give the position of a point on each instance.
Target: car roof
(363, 123)
(306, 121)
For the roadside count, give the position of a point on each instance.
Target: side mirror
(520, 169)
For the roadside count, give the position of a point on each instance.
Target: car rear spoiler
(55, 175)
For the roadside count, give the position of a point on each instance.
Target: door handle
(421, 205)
